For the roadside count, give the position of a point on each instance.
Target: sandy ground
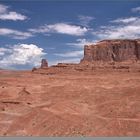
(80, 104)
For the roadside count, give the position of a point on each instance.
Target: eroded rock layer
(112, 50)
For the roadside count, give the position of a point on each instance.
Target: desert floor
(80, 104)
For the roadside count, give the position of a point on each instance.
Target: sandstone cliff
(112, 50)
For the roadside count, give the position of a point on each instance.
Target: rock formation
(34, 69)
(44, 64)
(112, 50)
(106, 55)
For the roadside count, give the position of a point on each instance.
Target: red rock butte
(112, 50)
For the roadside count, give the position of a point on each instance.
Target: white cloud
(12, 16)
(14, 33)
(3, 8)
(71, 54)
(80, 43)
(85, 20)
(129, 30)
(61, 28)
(137, 9)
(5, 14)
(125, 20)
(21, 54)
(70, 60)
(3, 51)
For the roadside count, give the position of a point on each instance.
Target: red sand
(78, 104)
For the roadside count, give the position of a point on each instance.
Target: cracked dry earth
(84, 104)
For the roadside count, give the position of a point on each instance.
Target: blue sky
(58, 30)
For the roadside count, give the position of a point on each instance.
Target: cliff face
(112, 50)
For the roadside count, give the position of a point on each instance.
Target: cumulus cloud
(15, 34)
(71, 54)
(85, 20)
(125, 28)
(20, 54)
(6, 14)
(137, 9)
(61, 28)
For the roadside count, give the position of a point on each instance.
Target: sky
(58, 30)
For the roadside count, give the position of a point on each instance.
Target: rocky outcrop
(112, 50)
(106, 55)
(34, 69)
(44, 64)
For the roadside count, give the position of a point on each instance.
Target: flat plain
(70, 104)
